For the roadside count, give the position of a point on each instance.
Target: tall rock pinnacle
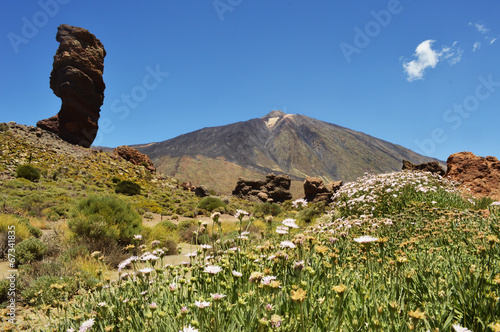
(76, 78)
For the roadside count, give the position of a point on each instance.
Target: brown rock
(76, 78)
(135, 157)
(187, 186)
(316, 191)
(275, 188)
(201, 191)
(432, 167)
(480, 175)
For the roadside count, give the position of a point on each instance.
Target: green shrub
(210, 203)
(27, 172)
(168, 225)
(30, 250)
(309, 214)
(4, 127)
(185, 230)
(266, 209)
(188, 214)
(48, 289)
(127, 187)
(105, 218)
(166, 233)
(5, 288)
(35, 231)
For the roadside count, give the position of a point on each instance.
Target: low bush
(11, 223)
(309, 214)
(27, 172)
(30, 250)
(266, 209)
(128, 187)
(210, 203)
(49, 289)
(105, 218)
(8, 286)
(186, 229)
(168, 225)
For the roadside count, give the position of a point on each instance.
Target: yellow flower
(299, 295)
(417, 314)
(275, 284)
(340, 288)
(321, 249)
(497, 279)
(495, 327)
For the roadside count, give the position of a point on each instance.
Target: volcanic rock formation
(479, 174)
(316, 191)
(76, 78)
(432, 166)
(135, 157)
(275, 188)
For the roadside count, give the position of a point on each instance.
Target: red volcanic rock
(481, 175)
(76, 78)
(134, 156)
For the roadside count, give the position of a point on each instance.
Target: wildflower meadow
(396, 252)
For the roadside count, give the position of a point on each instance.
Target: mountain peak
(273, 117)
(274, 114)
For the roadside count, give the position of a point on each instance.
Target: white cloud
(453, 53)
(427, 57)
(476, 46)
(480, 27)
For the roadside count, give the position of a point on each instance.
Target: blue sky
(422, 74)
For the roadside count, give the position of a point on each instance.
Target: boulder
(135, 157)
(201, 191)
(76, 78)
(433, 167)
(479, 174)
(187, 186)
(275, 188)
(316, 191)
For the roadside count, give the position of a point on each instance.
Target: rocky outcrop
(201, 191)
(433, 167)
(76, 78)
(275, 188)
(316, 191)
(479, 174)
(135, 157)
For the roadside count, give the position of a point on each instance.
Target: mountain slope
(291, 144)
